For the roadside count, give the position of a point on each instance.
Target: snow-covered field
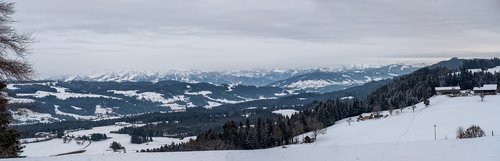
(408, 136)
(56, 146)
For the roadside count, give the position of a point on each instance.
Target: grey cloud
(319, 19)
(220, 34)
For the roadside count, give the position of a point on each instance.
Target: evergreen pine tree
(425, 96)
(9, 138)
(12, 66)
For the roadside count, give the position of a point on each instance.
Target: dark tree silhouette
(14, 47)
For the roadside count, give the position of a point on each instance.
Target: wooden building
(454, 90)
(487, 89)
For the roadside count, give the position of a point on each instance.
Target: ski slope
(408, 136)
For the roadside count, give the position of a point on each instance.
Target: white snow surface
(306, 84)
(286, 112)
(62, 94)
(56, 146)
(155, 97)
(447, 88)
(491, 70)
(11, 87)
(214, 102)
(78, 117)
(99, 110)
(27, 115)
(347, 98)
(408, 136)
(20, 100)
(494, 70)
(486, 87)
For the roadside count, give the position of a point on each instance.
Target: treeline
(468, 79)
(270, 132)
(481, 63)
(159, 129)
(98, 137)
(139, 139)
(407, 90)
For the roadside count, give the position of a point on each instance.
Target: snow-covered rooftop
(447, 88)
(487, 87)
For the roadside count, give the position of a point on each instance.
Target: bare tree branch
(14, 47)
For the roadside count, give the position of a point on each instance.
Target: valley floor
(408, 136)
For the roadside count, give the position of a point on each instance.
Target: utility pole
(435, 136)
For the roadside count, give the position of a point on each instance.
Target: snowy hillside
(407, 136)
(446, 113)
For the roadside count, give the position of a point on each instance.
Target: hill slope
(407, 136)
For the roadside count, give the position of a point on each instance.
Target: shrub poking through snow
(116, 146)
(472, 132)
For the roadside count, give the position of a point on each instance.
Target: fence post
(435, 136)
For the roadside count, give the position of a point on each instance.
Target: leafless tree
(316, 126)
(391, 109)
(472, 132)
(14, 47)
(376, 110)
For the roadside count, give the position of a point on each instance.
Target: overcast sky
(77, 36)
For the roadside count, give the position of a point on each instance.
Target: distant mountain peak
(257, 77)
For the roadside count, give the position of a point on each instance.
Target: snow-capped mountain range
(321, 79)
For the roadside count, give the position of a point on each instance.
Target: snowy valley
(50, 101)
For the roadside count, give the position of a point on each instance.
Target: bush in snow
(472, 132)
(116, 146)
(98, 137)
(308, 139)
(460, 133)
